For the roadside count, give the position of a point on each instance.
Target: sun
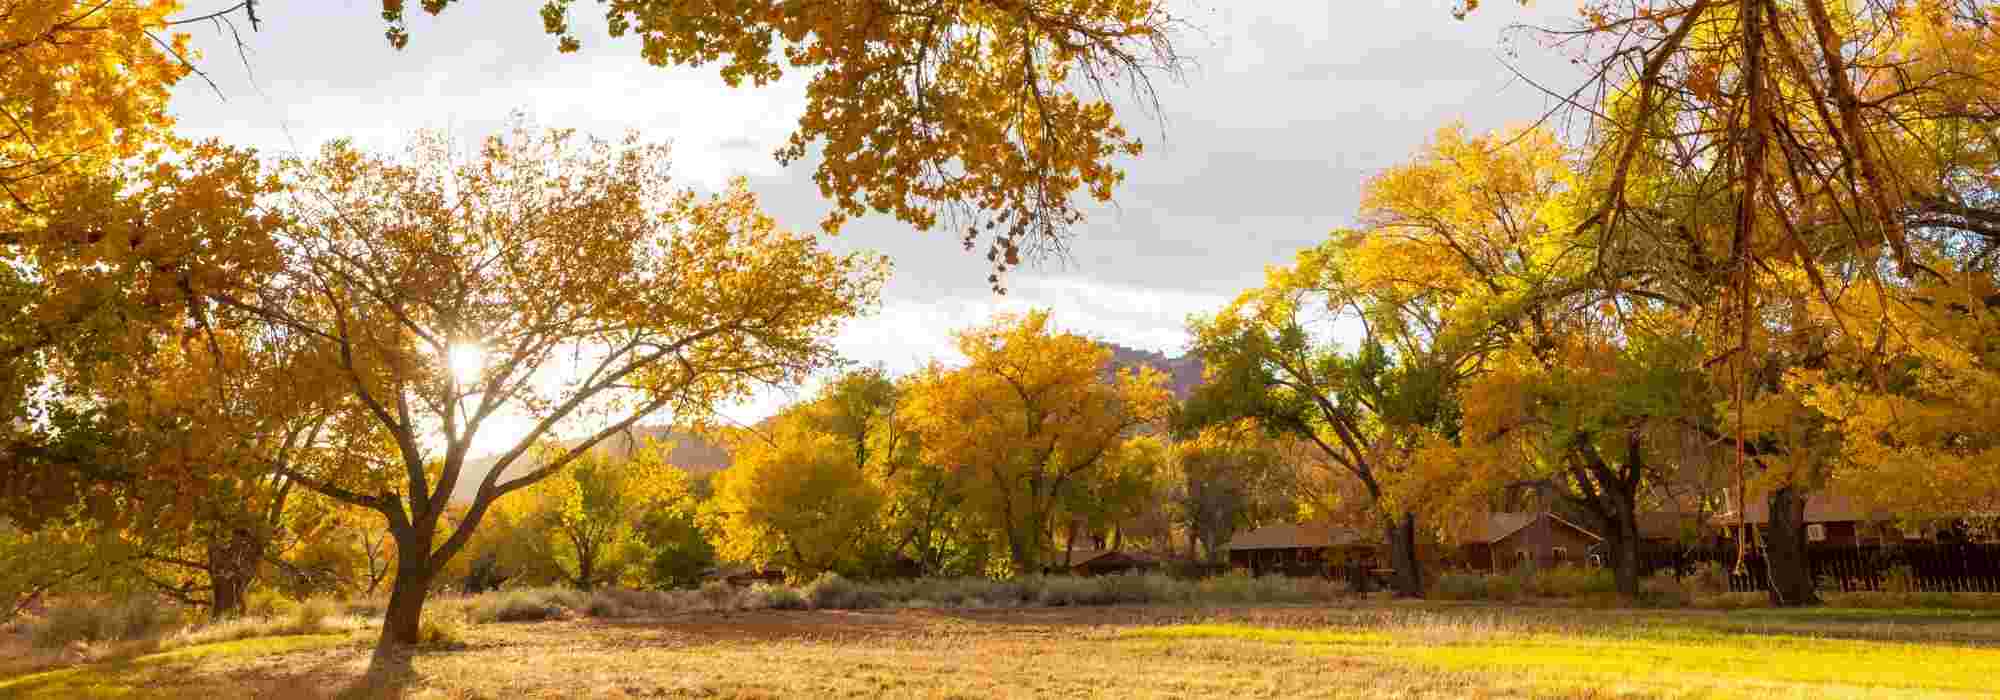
(468, 361)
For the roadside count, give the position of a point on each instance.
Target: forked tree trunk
(1785, 559)
(1409, 576)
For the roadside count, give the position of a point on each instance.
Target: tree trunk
(1022, 551)
(1409, 577)
(1785, 559)
(1623, 540)
(227, 593)
(402, 622)
(233, 558)
(1069, 544)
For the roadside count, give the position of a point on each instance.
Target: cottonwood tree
(583, 523)
(1831, 137)
(985, 117)
(1227, 477)
(590, 294)
(84, 85)
(1032, 417)
(797, 497)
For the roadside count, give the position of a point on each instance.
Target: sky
(1260, 150)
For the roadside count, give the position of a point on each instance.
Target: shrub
(1462, 586)
(138, 617)
(778, 597)
(521, 606)
(442, 626)
(832, 592)
(268, 603)
(1662, 588)
(1066, 590)
(310, 617)
(1709, 578)
(607, 603)
(1900, 578)
(719, 595)
(372, 606)
(1571, 581)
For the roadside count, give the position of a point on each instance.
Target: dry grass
(1364, 649)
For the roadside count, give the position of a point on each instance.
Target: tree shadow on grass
(391, 673)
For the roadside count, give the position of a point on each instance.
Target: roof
(1294, 536)
(1820, 508)
(1499, 526)
(1665, 525)
(1106, 560)
(1077, 556)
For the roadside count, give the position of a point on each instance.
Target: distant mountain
(699, 455)
(1183, 373)
(696, 454)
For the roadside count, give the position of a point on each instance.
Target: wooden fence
(1927, 568)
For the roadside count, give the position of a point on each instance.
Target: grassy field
(1371, 649)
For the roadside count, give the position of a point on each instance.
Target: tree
(544, 255)
(1834, 143)
(984, 116)
(84, 85)
(1370, 409)
(806, 489)
(1594, 428)
(1033, 416)
(1125, 487)
(680, 546)
(584, 522)
(799, 501)
(1225, 478)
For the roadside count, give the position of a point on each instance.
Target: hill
(699, 455)
(1183, 373)
(694, 453)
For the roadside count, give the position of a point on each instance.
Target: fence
(1932, 568)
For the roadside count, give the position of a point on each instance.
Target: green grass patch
(1261, 634)
(1664, 658)
(119, 678)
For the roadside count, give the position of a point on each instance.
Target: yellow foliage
(963, 114)
(1034, 414)
(84, 86)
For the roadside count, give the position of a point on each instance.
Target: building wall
(1540, 543)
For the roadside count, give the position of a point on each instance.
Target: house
(1664, 528)
(1505, 540)
(1300, 549)
(1099, 562)
(743, 575)
(1837, 520)
(1831, 520)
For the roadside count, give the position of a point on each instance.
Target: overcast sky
(1261, 150)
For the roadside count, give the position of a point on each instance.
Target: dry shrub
(442, 626)
(1662, 588)
(1900, 578)
(1571, 581)
(1708, 578)
(778, 597)
(95, 620)
(267, 603)
(831, 591)
(527, 605)
(1453, 585)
